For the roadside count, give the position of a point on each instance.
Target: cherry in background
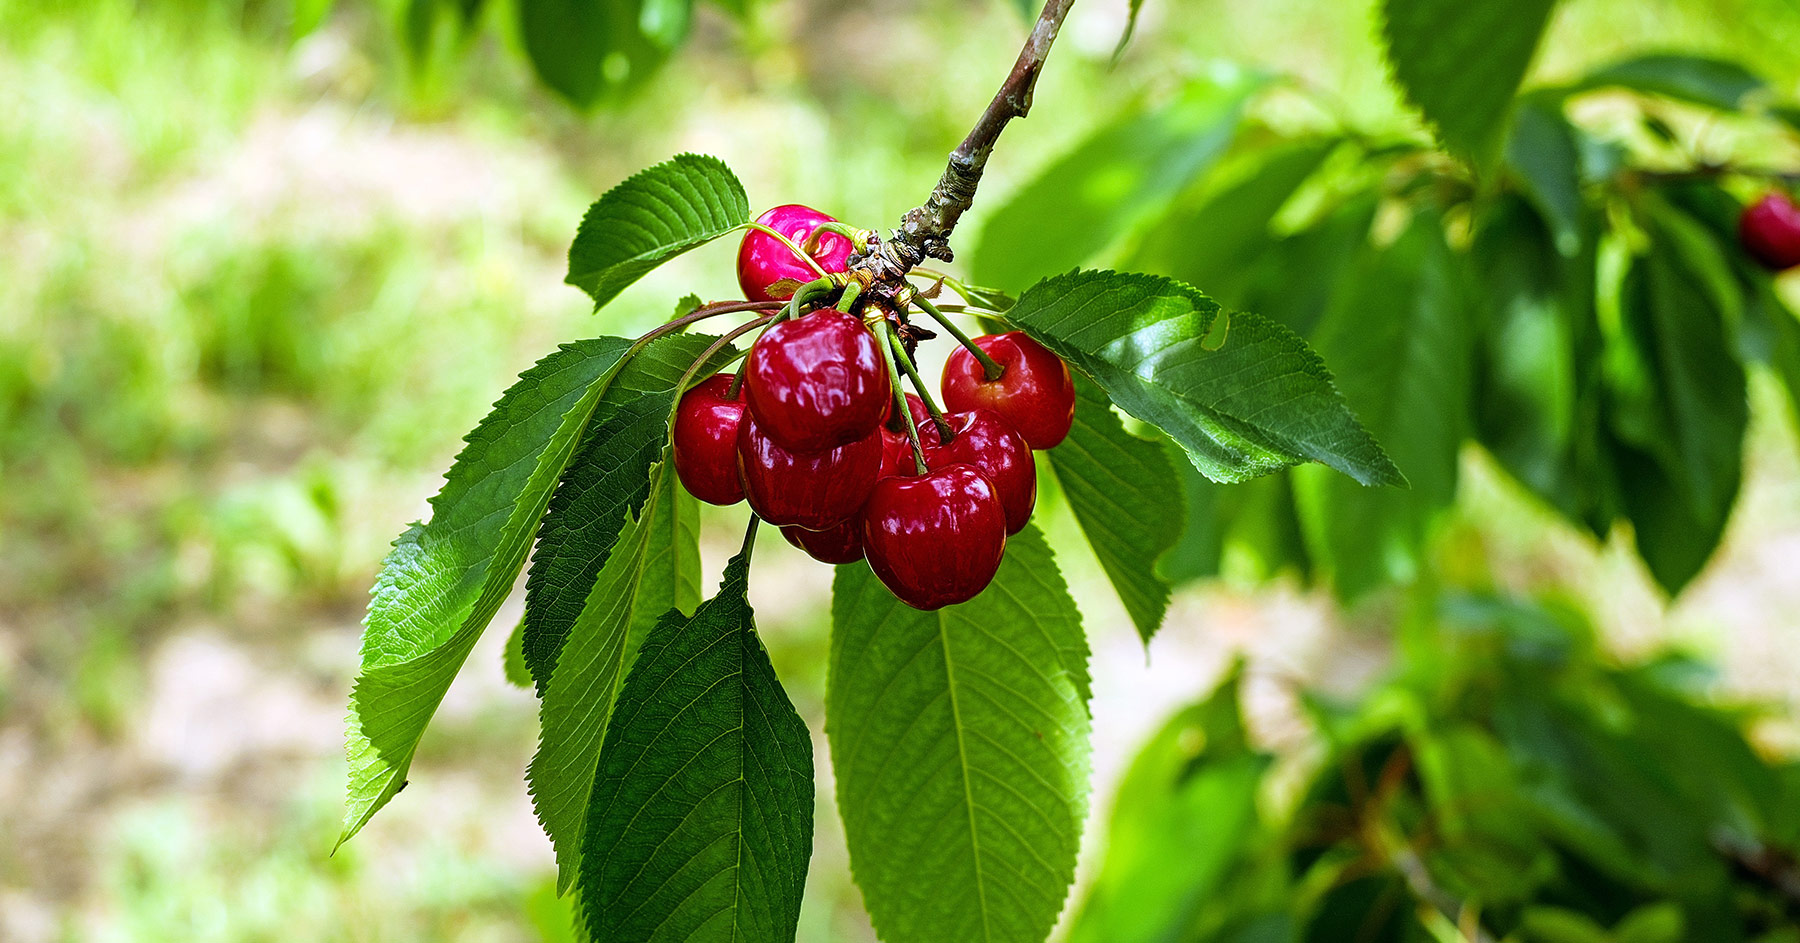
(840, 544)
(984, 440)
(1035, 394)
(817, 382)
(814, 490)
(705, 441)
(935, 539)
(1770, 231)
(763, 260)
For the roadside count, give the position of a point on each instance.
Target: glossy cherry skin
(896, 454)
(762, 259)
(1770, 231)
(920, 415)
(840, 544)
(1035, 393)
(935, 539)
(817, 382)
(705, 441)
(814, 490)
(982, 439)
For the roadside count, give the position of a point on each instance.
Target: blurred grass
(252, 291)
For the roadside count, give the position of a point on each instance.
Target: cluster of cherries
(811, 437)
(1770, 231)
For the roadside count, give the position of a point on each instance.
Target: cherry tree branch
(925, 230)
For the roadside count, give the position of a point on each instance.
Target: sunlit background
(253, 289)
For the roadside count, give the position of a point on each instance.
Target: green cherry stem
(886, 334)
(798, 253)
(992, 369)
(859, 238)
(700, 314)
(750, 537)
(805, 294)
(912, 373)
(848, 300)
(708, 353)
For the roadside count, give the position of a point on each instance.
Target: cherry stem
(886, 336)
(749, 537)
(848, 300)
(707, 355)
(931, 408)
(973, 296)
(859, 238)
(798, 252)
(701, 314)
(805, 294)
(989, 366)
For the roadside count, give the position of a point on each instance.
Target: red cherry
(935, 539)
(984, 440)
(705, 441)
(1770, 231)
(921, 416)
(840, 544)
(762, 259)
(814, 490)
(817, 382)
(1035, 394)
(896, 454)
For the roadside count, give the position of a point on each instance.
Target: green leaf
(654, 569)
(959, 739)
(1400, 340)
(1118, 178)
(700, 823)
(1124, 493)
(1714, 83)
(514, 660)
(608, 480)
(652, 217)
(1027, 9)
(1131, 19)
(587, 50)
(1243, 395)
(444, 580)
(665, 22)
(1461, 62)
(1543, 152)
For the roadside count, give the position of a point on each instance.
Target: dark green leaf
(587, 49)
(608, 479)
(1715, 83)
(1461, 62)
(1298, 279)
(700, 825)
(654, 569)
(1401, 342)
(1125, 495)
(1199, 549)
(444, 580)
(959, 739)
(665, 22)
(1542, 151)
(1242, 395)
(1123, 174)
(514, 660)
(657, 214)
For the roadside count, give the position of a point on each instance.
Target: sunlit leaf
(653, 216)
(1461, 63)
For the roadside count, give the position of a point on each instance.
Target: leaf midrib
(962, 759)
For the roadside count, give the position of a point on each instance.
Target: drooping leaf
(654, 569)
(1299, 277)
(1702, 80)
(1114, 181)
(700, 823)
(653, 216)
(1400, 340)
(587, 50)
(513, 662)
(1131, 19)
(1124, 493)
(1242, 395)
(1461, 63)
(959, 739)
(444, 579)
(1542, 151)
(608, 479)
(665, 22)
(1201, 545)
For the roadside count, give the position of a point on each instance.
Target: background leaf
(1701, 80)
(444, 580)
(959, 739)
(655, 215)
(1542, 152)
(1400, 339)
(1254, 401)
(1461, 62)
(1124, 493)
(1111, 183)
(700, 824)
(587, 49)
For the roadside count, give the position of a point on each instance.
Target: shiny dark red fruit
(817, 382)
(936, 539)
(763, 261)
(896, 454)
(1035, 393)
(814, 490)
(705, 441)
(840, 544)
(920, 415)
(982, 439)
(1770, 231)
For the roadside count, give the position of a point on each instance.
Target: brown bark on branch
(925, 230)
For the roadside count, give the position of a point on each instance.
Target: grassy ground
(253, 290)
